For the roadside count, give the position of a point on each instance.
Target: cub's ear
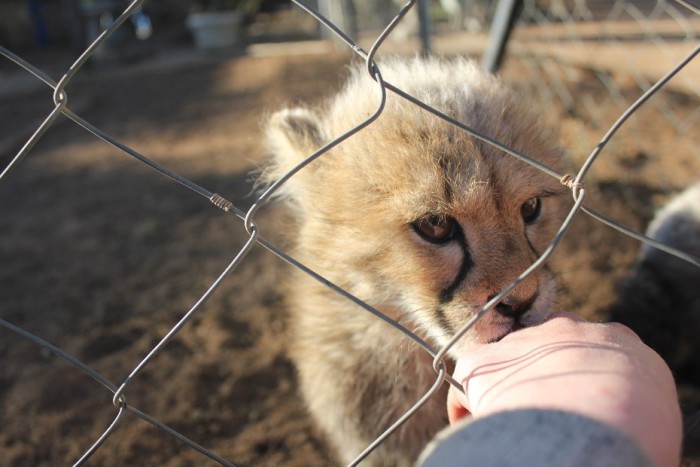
(292, 136)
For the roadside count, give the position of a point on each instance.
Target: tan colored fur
(355, 207)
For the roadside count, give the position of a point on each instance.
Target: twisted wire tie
(569, 181)
(221, 202)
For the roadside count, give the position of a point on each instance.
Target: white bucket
(216, 29)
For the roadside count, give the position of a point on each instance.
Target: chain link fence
(612, 39)
(535, 48)
(622, 48)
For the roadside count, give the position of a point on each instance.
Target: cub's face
(417, 217)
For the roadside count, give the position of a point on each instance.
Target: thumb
(457, 404)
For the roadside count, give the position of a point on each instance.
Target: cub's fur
(660, 299)
(420, 220)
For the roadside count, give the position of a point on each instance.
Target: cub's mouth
(514, 326)
(503, 319)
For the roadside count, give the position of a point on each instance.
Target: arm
(533, 437)
(599, 374)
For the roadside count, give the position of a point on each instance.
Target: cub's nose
(514, 308)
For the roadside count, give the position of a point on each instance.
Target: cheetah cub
(422, 221)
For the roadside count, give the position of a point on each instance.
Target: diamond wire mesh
(615, 41)
(574, 182)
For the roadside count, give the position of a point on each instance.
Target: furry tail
(660, 300)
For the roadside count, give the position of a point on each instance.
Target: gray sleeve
(533, 437)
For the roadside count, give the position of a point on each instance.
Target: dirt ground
(101, 256)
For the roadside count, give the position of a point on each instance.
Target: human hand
(602, 371)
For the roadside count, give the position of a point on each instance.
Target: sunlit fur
(354, 208)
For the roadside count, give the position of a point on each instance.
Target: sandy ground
(101, 256)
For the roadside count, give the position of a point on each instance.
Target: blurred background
(101, 256)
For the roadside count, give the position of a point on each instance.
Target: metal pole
(424, 27)
(501, 27)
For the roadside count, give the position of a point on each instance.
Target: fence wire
(614, 42)
(566, 18)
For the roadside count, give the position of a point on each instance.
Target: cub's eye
(436, 229)
(530, 210)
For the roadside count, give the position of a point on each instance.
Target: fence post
(424, 27)
(501, 27)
